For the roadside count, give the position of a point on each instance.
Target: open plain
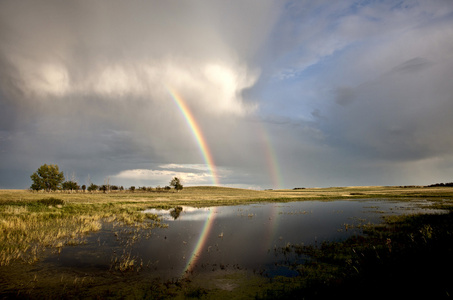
(35, 226)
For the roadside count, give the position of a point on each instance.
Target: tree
(47, 177)
(104, 188)
(70, 185)
(176, 183)
(176, 212)
(93, 187)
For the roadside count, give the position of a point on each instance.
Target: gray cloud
(322, 92)
(345, 95)
(416, 64)
(402, 115)
(382, 90)
(84, 84)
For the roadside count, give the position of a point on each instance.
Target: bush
(51, 201)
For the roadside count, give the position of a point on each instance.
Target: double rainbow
(207, 156)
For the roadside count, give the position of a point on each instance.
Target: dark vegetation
(409, 257)
(51, 201)
(175, 212)
(176, 183)
(441, 184)
(31, 204)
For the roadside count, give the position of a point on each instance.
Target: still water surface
(246, 237)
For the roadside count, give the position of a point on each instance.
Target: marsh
(243, 237)
(201, 241)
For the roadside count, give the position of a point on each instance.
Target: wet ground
(246, 237)
(201, 249)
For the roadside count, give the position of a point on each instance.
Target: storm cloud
(322, 93)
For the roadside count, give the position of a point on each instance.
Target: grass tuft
(51, 201)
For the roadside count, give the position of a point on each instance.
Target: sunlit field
(204, 196)
(37, 226)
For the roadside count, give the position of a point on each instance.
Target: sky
(252, 94)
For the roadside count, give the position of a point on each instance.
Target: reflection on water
(246, 237)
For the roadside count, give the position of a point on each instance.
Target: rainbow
(271, 160)
(207, 156)
(201, 243)
(274, 219)
(196, 131)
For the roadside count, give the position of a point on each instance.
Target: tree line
(441, 184)
(49, 178)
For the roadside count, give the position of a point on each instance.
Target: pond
(245, 237)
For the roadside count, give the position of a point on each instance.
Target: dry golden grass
(28, 224)
(205, 196)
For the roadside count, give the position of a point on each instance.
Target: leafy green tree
(176, 183)
(47, 177)
(70, 185)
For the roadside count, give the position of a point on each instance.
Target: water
(227, 238)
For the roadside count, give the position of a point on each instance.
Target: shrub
(51, 201)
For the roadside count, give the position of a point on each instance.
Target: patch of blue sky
(292, 98)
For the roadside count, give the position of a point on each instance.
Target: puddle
(226, 238)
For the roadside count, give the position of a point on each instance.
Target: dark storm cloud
(84, 84)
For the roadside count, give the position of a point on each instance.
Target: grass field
(206, 196)
(31, 223)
